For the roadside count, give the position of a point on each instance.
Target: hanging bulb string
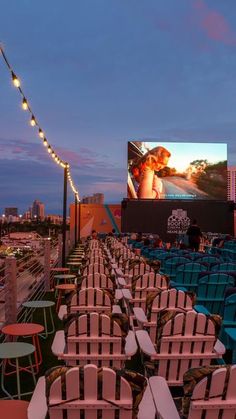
(34, 123)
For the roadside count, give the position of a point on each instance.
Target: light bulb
(41, 134)
(33, 121)
(45, 143)
(25, 104)
(49, 149)
(15, 80)
(53, 154)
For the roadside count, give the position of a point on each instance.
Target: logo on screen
(178, 222)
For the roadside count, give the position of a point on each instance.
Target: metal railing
(26, 278)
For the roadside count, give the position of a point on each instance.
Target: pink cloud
(213, 24)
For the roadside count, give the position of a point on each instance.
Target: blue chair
(224, 266)
(169, 264)
(229, 320)
(211, 291)
(208, 259)
(187, 275)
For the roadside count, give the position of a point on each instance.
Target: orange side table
(62, 288)
(27, 329)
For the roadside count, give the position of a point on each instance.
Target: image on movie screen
(161, 170)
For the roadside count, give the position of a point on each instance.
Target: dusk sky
(99, 73)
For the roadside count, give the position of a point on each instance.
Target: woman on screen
(149, 185)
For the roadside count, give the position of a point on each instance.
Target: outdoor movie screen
(161, 170)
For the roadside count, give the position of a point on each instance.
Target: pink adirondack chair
(170, 299)
(90, 402)
(93, 268)
(213, 397)
(88, 300)
(97, 280)
(140, 268)
(94, 338)
(188, 340)
(145, 284)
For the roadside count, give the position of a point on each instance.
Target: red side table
(27, 329)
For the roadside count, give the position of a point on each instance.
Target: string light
(15, 80)
(33, 123)
(41, 134)
(25, 104)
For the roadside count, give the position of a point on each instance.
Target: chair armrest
(126, 294)
(62, 312)
(121, 281)
(37, 408)
(219, 348)
(140, 315)
(163, 400)
(116, 309)
(59, 343)
(118, 294)
(145, 342)
(131, 346)
(146, 407)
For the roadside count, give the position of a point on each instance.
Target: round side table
(63, 288)
(27, 329)
(42, 305)
(58, 271)
(16, 350)
(65, 278)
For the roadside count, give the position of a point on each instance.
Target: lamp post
(76, 219)
(64, 217)
(79, 220)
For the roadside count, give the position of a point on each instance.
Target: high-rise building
(38, 210)
(11, 211)
(231, 185)
(97, 198)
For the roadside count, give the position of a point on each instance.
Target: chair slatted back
(224, 266)
(168, 300)
(230, 309)
(97, 280)
(96, 267)
(211, 290)
(187, 341)
(85, 399)
(96, 259)
(95, 338)
(170, 263)
(188, 274)
(146, 283)
(90, 299)
(215, 396)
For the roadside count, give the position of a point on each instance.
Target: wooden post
(10, 291)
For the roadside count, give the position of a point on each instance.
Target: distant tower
(38, 210)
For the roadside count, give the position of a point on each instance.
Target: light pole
(64, 217)
(76, 219)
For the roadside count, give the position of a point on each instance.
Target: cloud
(213, 24)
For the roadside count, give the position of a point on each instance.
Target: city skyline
(100, 75)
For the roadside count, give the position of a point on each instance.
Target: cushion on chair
(136, 381)
(192, 377)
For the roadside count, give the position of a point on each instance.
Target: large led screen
(161, 170)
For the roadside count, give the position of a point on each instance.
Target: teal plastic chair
(169, 264)
(224, 266)
(229, 319)
(187, 275)
(211, 291)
